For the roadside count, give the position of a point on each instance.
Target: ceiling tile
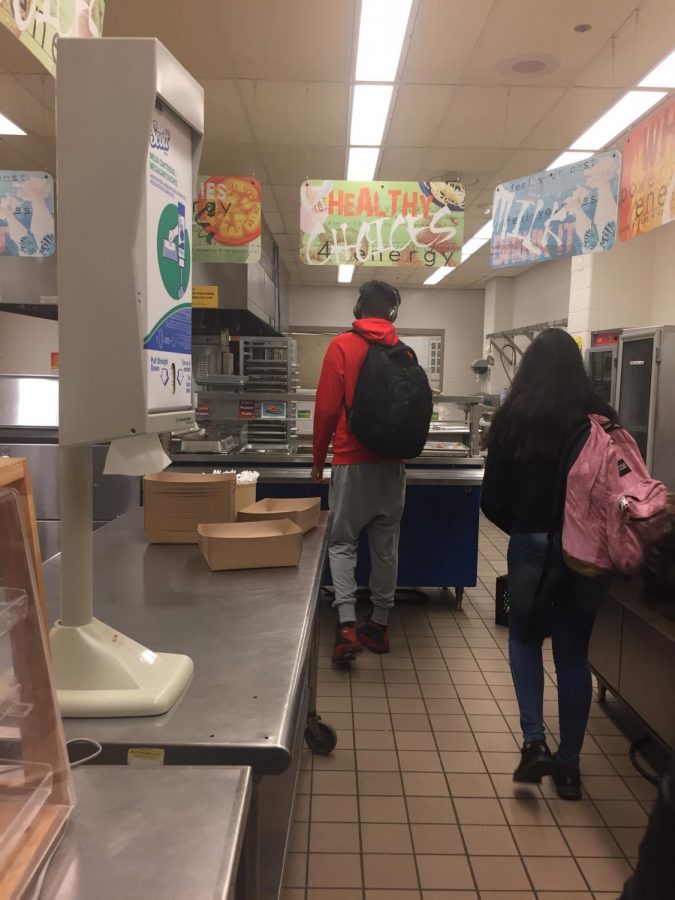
(523, 162)
(193, 32)
(288, 200)
(569, 117)
(418, 113)
(304, 40)
(232, 159)
(224, 117)
(458, 161)
(402, 164)
(19, 105)
(531, 28)
(285, 112)
(274, 221)
(513, 114)
(288, 165)
(444, 35)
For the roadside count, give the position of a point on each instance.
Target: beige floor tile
(470, 785)
(540, 841)
(589, 842)
(334, 704)
(488, 723)
(438, 691)
(622, 813)
(447, 895)
(341, 721)
(386, 838)
(295, 870)
(494, 873)
(390, 871)
(461, 652)
(568, 895)
(411, 691)
(398, 676)
(513, 895)
(304, 785)
(345, 739)
(550, 873)
(474, 691)
(410, 722)
(377, 761)
(374, 740)
(458, 741)
(621, 764)
(383, 809)
(293, 894)
(596, 764)
(372, 722)
(334, 870)
(640, 788)
(367, 676)
(298, 839)
(491, 742)
(368, 690)
(435, 677)
(431, 810)
(459, 761)
(444, 872)
(415, 740)
(419, 761)
(338, 760)
(468, 678)
(383, 784)
(369, 705)
(575, 814)
(489, 840)
(436, 838)
(333, 894)
(443, 706)
(406, 705)
(501, 763)
(479, 811)
(334, 809)
(605, 874)
(339, 783)
(527, 812)
(334, 837)
(450, 723)
(602, 787)
(301, 808)
(431, 665)
(505, 786)
(629, 840)
(481, 707)
(463, 664)
(392, 895)
(424, 784)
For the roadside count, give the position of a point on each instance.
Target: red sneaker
(347, 644)
(374, 637)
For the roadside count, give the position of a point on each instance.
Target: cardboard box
(175, 503)
(251, 545)
(304, 512)
(245, 495)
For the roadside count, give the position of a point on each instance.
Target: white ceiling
(277, 77)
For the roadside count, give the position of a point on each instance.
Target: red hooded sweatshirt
(335, 393)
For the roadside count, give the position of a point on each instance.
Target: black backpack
(393, 402)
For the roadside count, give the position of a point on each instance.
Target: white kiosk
(130, 124)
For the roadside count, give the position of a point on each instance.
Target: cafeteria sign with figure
(381, 223)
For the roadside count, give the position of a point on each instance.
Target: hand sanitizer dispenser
(130, 122)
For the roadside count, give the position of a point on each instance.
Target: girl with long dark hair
(529, 453)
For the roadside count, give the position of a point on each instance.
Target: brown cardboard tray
(251, 545)
(303, 511)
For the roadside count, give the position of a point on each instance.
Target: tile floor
(417, 801)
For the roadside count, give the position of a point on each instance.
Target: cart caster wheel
(320, 737)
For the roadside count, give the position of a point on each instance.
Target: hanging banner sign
(227, 219)
(647, 197)
(566, 211)
(39, 23)
(381, 223)
(26, 214)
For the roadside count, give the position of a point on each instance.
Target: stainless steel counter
(248, 633)
(152, 834)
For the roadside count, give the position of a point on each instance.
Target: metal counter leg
(320, 737)
(459, 596)
(602, 692)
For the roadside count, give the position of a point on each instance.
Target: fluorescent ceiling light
(569, 157)
(370, 107)
(8, 127)
(628, 109)
(439, 274)
(661, 76)
(362, 163)
(345, 274)
(381, 33)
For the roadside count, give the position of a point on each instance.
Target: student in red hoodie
(366, 491)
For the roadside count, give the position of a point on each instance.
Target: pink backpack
(613, 508)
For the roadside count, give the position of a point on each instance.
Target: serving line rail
(253, 638)
(152, 833)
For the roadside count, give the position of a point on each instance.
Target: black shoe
(374, 637)
(567, 780)
(536, 761)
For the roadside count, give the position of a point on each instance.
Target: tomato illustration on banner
(381, 223)
(227, 218)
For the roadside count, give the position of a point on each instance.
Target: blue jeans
(562, 604)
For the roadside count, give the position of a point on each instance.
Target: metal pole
(77, 581)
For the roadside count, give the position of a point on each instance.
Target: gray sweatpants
(368, 496)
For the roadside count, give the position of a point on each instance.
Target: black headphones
(369, 288)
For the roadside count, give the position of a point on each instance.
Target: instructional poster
(26, 214)
(167, 322)
(381, 223)
(227, 219)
